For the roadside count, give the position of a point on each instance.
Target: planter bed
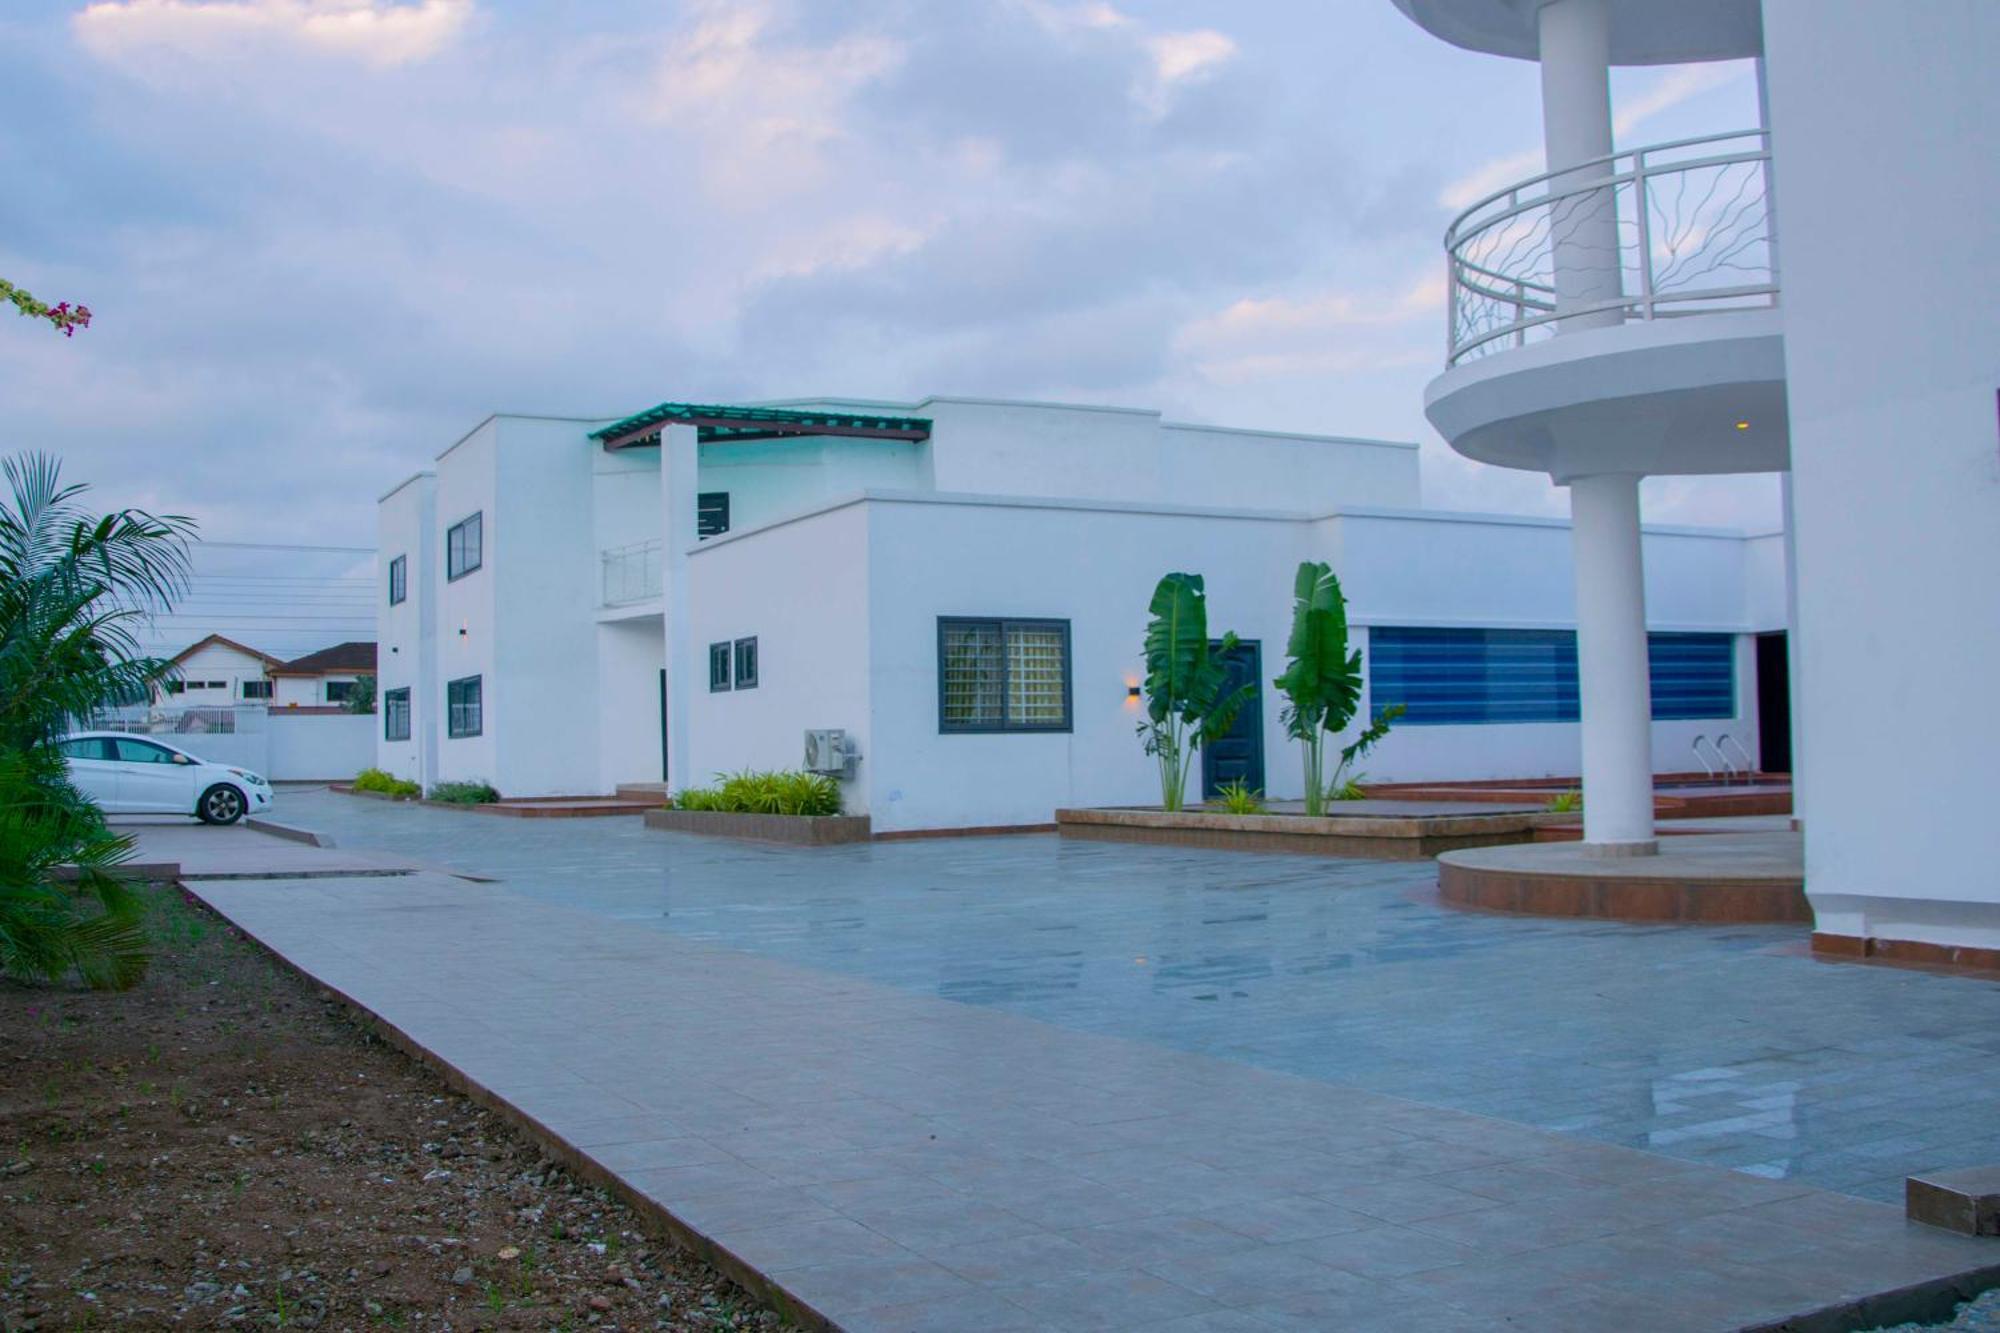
(524, 807)
(808, 830)
(1372, 832)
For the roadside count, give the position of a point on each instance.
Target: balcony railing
(1674, 229)
(631, 573)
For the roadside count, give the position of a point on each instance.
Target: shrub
(750, 793)
(472, 792)
(1349, 789)
(1238, 798)
(1566, 802)
(386, 784)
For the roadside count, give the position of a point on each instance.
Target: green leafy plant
(74, 589)
(1188, 699)
(1565, 802)
(384, 783)
(1348, 789)
(469, 792)
(1322, 684)
(1238, 798)
(753, 793)
(361, 696)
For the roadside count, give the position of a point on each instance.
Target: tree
(1188, 703)
(361, 699)
(73, 587)
(63, 315)
(1322, 682)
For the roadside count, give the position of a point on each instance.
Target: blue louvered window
(1447, 677)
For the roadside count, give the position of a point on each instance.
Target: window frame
(722, 655)
(476, 518)
(394, 701)
(258, 689)
(399, 580)
(452, 730)
(345, 688)
(744, 680)
(1007, 727)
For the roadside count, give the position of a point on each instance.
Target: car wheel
(220, 804)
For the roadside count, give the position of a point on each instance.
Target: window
(1461, 676)
(86, 747)
(746, 664)
(173, 686)
(127, 750)
(463, 707)
(1003, 675)
(256, 689)
(718, 667)
(396, 715)
(1694, 675)
(399, 582)
(464, 547)
(339, 691)
(711, 513)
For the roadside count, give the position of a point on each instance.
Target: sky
(322, 239)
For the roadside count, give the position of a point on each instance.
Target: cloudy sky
(323, 238)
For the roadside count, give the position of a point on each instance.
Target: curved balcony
(1692, 221)
(1635, 259)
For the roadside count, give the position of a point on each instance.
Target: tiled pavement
(1725, 1046)
(897, 1161)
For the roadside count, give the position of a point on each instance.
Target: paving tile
(840, 1289)
(1115, 1299)
(786, 1245)
(1384, 1252)
(951, 1314)
(1288, 1217)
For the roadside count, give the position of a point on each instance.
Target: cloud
(1674, 88)
(1261, 338)
(1178, 56)
(372, 31)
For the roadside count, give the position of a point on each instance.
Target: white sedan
(137, 775)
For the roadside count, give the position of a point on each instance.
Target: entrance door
(1239, 756)
(1774, 703)
(664, 775)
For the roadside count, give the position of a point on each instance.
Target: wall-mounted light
(1743, 425)
(1131, 691)
(461, 631)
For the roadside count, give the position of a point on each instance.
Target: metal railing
(1672, 229)
(631, 573)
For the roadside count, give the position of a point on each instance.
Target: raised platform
(1721, 878)
(1380, 830)
(1675, 796)
(805, 830)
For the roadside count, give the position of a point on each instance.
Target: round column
(1615, 683)
(1576, 128)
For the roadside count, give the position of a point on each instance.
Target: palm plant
(1322, 682)
(1188, 699)
(74, 587)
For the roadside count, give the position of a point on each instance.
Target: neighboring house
(217, 672)
(1811, 295)
(323, 679)
(961, 585)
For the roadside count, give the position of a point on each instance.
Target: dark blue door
(1239, 756)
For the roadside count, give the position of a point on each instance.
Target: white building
(961, 586)
(1812, 295)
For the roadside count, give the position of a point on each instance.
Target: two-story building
(961, 586)
(1811, 295)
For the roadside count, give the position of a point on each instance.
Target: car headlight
(249, 777)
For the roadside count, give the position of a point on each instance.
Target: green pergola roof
(754, 423)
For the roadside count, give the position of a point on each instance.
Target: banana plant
(1322, 681)
(1188, 699)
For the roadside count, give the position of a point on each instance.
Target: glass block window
(746, 664)
(1003, 675)
(464, 705)
(399, 581)
(718, 667)
(1473, 676)
(396, 715)
(465, 546)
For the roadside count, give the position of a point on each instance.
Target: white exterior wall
(216, 662)
(1492, 571)
(467, 625)
(1886, 131)
(319, 747)
(307, 691)
(406, 633)
(802, 589)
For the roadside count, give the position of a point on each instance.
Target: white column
(1794, 656)
(679, 485)
(1613, 676)
(1576, 128)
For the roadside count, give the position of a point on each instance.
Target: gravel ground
(1975, 1316)
(225, 1147)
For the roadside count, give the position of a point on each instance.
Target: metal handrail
(1501, 261)
(1707, 767)
(1749, 764)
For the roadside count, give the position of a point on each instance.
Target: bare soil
(227, 1147)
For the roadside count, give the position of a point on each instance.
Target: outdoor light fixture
(1131, 691)
(1743, 425)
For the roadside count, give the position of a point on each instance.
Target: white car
(138, 775)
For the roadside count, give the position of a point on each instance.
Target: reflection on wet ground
(1720, 1045)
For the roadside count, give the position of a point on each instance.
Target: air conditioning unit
(829, 751)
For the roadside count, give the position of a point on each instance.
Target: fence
(282, 745)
